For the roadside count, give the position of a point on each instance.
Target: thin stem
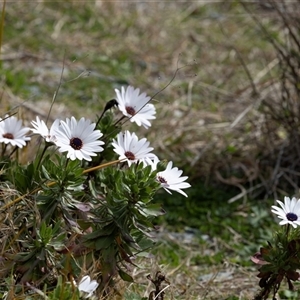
(123, 117)
(288, 230)
(44, 151)
(12, 152)
(67, 162)
(58, 87)
(100, 119)
(102, 166)
(3, 150)
(65, 169)
(109, 105)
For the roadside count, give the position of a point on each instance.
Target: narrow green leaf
(125, 276)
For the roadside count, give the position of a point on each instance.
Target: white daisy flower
(170, 179)
(12, 132)
(135, 106)
(133, 150)
(289, 211)
(41, 128)
(87, 286)
(79, 139)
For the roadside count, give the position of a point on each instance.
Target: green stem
(12, 152)
(3, 150)
(42, 155)
(67, 162)
(99, 120)
(65, 170)
(288, 230)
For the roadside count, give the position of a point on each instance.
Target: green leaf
(104, 242)
(105, 231)
(64, 291)
(125, 276)
(154, 209)
(45, 173)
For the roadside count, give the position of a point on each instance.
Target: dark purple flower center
(161, 179)
(129, 155)
(130, 110)
(76, 143)
(8, 135)
(291, 217)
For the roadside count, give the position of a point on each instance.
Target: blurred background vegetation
(225, 76)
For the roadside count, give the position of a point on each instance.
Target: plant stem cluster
(82, 208)
(280, 259)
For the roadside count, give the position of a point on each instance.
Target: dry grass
(208, 118)
(188, 280)
(208, 103)
(153, 39)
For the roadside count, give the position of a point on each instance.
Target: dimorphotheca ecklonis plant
(83, 205)
(279, 260)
